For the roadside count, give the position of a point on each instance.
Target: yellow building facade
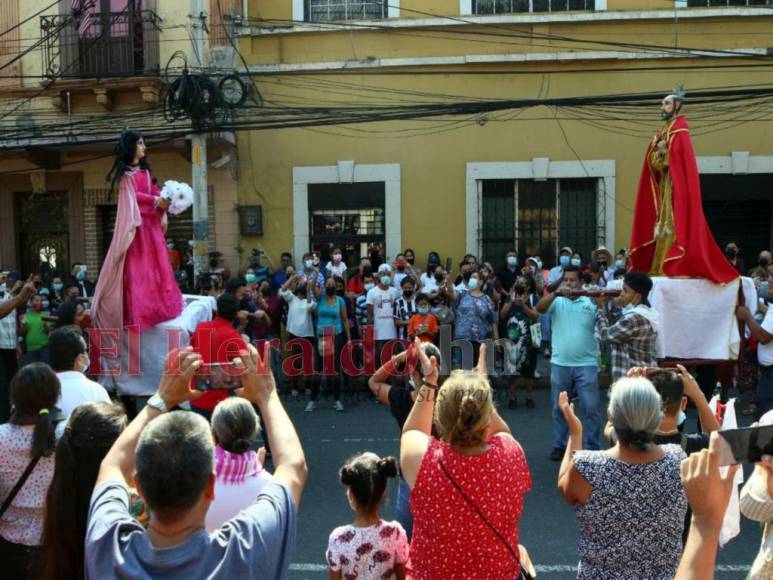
(538, 177)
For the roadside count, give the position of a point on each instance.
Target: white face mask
(308, 263)
(682, 418)
(472, 283)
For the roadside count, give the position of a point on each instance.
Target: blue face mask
(46, 304)
(250, 278)
(385, 280)
(368, 286)
(472, 283)
(576, 262)
(681, 419)
(422, 309)
(563, 260)
(80, 276)
(58, 287)
(618, 264)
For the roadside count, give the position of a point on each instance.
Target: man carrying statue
(670, 236)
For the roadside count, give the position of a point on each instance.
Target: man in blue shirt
(170, 456)
(574, 367)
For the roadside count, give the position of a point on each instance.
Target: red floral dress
(450, 540)
(367, 553)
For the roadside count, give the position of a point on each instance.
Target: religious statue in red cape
(670, 235)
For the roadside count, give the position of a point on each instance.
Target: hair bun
(387, 467)
(347, 475)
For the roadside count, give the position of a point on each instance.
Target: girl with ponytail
(370, 547)
(239, 473)
(26, 449)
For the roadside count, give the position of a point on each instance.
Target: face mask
(330, 291)
(86, 365)
(576, 262)
(58, 287)
(618, 264)
(308, 263)
(410, 260)
(46, 304)
(436, 309)
(731, 253)
(563, 260)
(512, 261)
(472, 283)
(682, 418)
(422, 309)
(385, 280)
(764, 262)
(438, 277)
(265, 291)
(336, 257)
(44, 291)
(80, 276)
(407, 293)
(170, 245)
(250, 278)
(369, 286)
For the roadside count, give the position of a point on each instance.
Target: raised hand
(567, 408)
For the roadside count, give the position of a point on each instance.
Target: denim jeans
(544, 322)
(582, 383)
(403, 507)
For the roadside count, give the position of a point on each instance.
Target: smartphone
(218, 376)
(746, 445)
(449, 263)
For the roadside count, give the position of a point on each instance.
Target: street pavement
(548, 526)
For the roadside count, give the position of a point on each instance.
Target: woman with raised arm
(468, 485)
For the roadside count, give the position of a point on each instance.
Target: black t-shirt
(400, 404)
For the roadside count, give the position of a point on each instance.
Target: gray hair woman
(239, 473)
(629, 499)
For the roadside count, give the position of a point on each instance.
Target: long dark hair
(91, 431)
(125, 152)
(36, 388)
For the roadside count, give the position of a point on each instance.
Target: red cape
(695, 253)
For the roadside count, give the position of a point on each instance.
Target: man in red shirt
(217, 341)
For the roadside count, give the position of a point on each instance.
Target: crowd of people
(197, 483)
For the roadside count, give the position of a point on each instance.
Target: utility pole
(199, 154)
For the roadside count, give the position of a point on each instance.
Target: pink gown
(136, 287)
(150, 291)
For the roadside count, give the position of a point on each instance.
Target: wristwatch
(157, 403)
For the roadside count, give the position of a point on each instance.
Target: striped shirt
(403, 310)
(8, 327)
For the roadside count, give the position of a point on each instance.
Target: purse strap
(482, 516)
(19, 484)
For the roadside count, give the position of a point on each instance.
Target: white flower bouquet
(179, 194)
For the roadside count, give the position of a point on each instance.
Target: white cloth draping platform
(697, 317)
(154, 344)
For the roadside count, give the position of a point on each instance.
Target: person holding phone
(217, 341)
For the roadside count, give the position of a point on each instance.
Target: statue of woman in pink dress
(136, 288)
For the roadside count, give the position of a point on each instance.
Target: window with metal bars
(727, 3)
(515, 6)
(539, 217)
(320, 10)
